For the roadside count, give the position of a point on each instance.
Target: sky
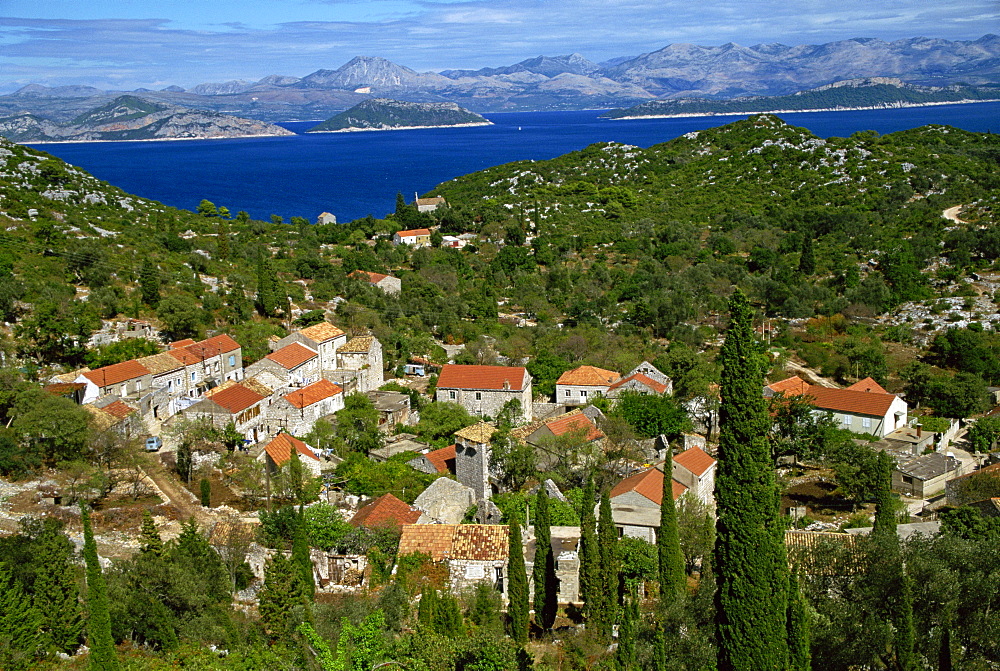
(127, 44)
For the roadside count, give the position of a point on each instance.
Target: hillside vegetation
(384, 114)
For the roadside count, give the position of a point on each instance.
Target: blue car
(153, 444)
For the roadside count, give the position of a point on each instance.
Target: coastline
(160, 139)
(886, 106)
(365, 130)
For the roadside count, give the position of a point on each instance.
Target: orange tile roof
(649, 483)
(368, 276)
(643, 379)
(118, 409)
(851, 401)
(321, 332)
(62, 388)
(385, 511)
(574, 421)
(184, 356)
(480, 542)
(412, 233)
(589, 376)
(116, 373)
(868, 385)
(236, 398)
(455, 376)
(314, 393)
(216, 346)
(291, 356)
(181, 343)
(695, 460)
(440, 458)
(280, 449)
(790, 386)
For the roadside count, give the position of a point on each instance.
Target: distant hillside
(850, 94)
(133, 118)
(384, 114)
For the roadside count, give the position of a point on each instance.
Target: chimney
(506, 385)
(920, 430)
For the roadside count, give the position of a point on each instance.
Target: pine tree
(589, 555)
(608, 571)
(750, 563)
(799, 628)
(279, 595)
(103, 656)
(149, 283)
(56, 594)
(517, 590)
(672, 575)
(149, 537)
(885, 505)
(544, 572)
(301, 558)
(20, 625)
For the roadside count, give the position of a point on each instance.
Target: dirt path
(951, 214)
(809, 375)
(174, 493)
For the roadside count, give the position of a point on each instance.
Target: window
(479, 396)
(232, 360)
(451, 395)
(583, 393)
(192, 376)
(866, 422)
(569, 392)
(846, 420)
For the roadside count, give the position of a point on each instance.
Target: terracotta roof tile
(643, 379)
(455, 376)
(481, 542)
(281, 446)
(574, 421)
(321, 332)
(385, 511)
(649, 483)
(63, 388)
(696, 460)
(868, 385)
(589, 376)
(477, 433)
(851, 401)
(440, 458)
(181, 343)
(253, 384)
(215, 346)
(314, 393)
(790, 386)
(116, 373)
(413, 232)
(358, 345)
(368, 276)
(236, 398)
(291, 356)
(118, 409)
(184, 356)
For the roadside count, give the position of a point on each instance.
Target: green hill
(384, 114)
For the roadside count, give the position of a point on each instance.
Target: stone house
(582, 384)
(298, 410)
(473, 456)
(208, 363)
(566, 551)
(574, 421)
(387, 283)
(644, 379)
(435, 461)
(483, 390)
(926, 475)
(393, 408)
(168, 377)
(972, 487)
(863, 407)
(323, 338)
(295, 364)
(234, 402)
(112, 414)
(473, 553)
(695, 469)
(363, 356)
(278, 452)
(128, 378)
(417, 237)
(325, 218)
(430, 204)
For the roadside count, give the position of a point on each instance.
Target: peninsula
(129, 118)
(386, 114)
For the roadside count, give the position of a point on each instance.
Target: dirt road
(173, 493)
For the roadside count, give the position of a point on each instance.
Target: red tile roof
(385, 511)
(291, 356)
(851, 401)
(181, 343)
(643, 379)
(414, 232)
(314, 393)
(479, 542)
(280, 449)
(206, 349)
(116, 373)
(236, 398)
(118, 409)
(868, 385)
(455, 376)
(440, 458)
(62, 388)
(574, 421)
(589, 376)
(648, 483)
(790, 386)
(368, 276)
(321, 332)
(696, 460)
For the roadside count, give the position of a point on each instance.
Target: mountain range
(562, 82)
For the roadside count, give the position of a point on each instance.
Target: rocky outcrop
(384, 114)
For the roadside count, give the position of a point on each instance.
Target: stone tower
(472, 458)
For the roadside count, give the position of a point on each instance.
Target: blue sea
(355, 174)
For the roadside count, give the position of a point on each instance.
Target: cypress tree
(589, 556)
(627, 630)
(103, 656)
(659, 651)
(903, 621)
(269, 298)
(668, 545)
(885, 508)
(517, 590)
(149, 283)
(20, 625)
(427, 608)
(608, 571)
(300, 556)
(149, 537)
(944, 652)
(807, 261)
(799, 628)
(279, 595)
(448, 619)
(205, 488)
(544, 571)
(56, 594)
(750, 563)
